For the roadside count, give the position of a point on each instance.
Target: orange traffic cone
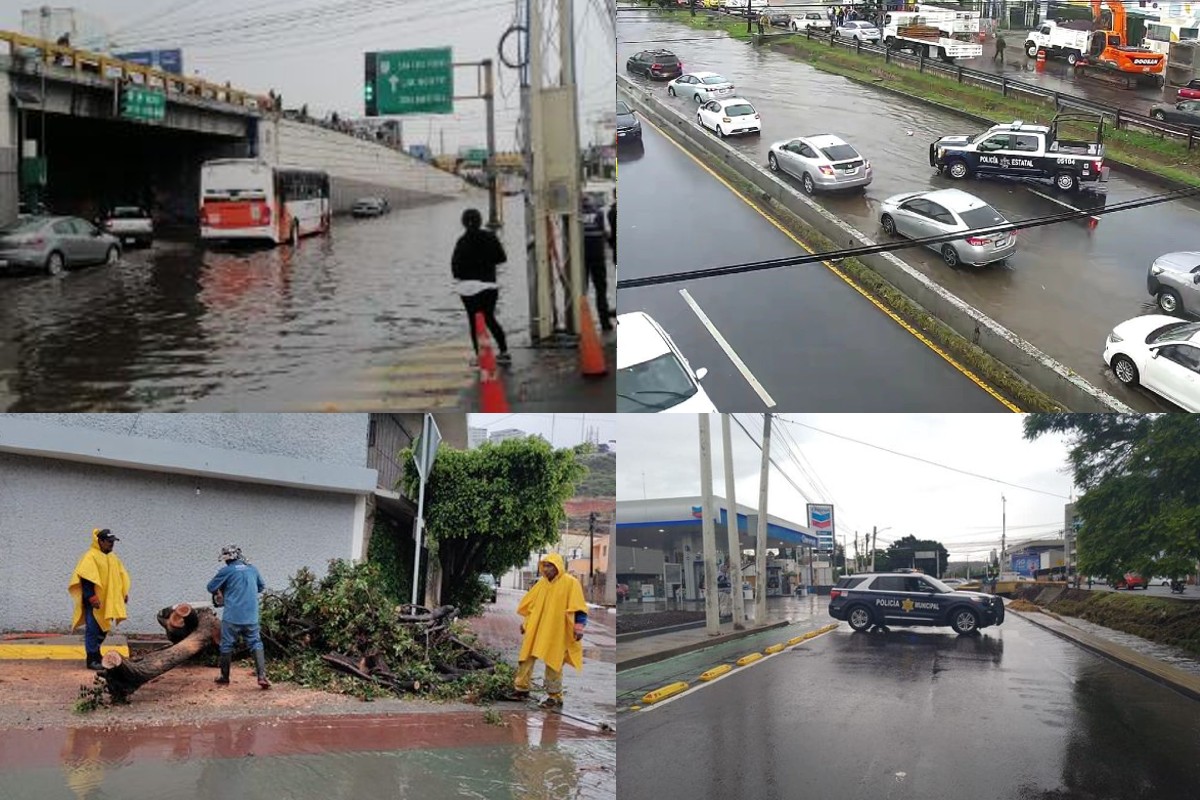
(591, 353)
(491, 391)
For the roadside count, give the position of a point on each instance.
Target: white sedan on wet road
(700, 86)
(725, 117)
(1161, 353)
(820, 162)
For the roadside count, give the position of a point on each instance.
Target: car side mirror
(700, 373)
(1196, 279)
(1154, 352)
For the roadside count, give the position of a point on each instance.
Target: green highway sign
(474, 155)
(414, 82)
(142, 104)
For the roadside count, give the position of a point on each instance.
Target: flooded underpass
(182, 327)
(430, 755)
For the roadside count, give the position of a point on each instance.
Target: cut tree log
(122, 678)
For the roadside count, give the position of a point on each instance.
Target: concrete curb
(1158, 671)
(1041, 371)
(687, 626)
(662, 655)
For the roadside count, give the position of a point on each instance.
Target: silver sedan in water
(918, 215)
(55, 244)
(820, 162)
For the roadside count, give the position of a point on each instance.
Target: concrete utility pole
(541, 318)
(1003, 532)
(760, 544)
(874, 533)
(712, 611)
(735, 548)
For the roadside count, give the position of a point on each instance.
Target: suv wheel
(964, 620)
(1067, 181)
(860, 618)
(958, 169)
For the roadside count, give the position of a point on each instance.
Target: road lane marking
(717, 679)
(963, 369)
(729, 351)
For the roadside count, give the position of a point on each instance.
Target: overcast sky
(260, 45)
(561, 430)
(659, 456)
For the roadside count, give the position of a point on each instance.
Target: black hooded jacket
(476, 256)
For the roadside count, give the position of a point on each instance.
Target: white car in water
(652, 375)
(700, 86)
(727, 117)
(1161, 353)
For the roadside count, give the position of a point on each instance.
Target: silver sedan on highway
(917, 215)
(820, 162)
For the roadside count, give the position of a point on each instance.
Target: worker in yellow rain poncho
(555, 615)
(100, 588)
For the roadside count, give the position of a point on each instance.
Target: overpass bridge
(65, 139)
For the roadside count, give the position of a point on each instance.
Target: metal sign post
(426, 453)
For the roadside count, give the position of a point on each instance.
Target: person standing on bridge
(476, 255)
(1000, 45)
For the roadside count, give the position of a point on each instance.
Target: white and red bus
(249, 199)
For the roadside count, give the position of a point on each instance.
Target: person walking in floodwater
(1000, 45)
(476, 256)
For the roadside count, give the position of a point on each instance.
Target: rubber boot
(93, 661)
(226, 661)
(260, 661)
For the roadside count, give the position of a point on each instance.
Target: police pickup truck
(888, 599)
(1017, 150)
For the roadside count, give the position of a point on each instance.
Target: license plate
(1001, 243)
(620, 134)
(129, 240)
(852, 171)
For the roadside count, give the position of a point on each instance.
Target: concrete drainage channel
(1010, 354)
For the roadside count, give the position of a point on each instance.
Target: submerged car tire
(720, 132)
(671, 91)
(112, 256)
(55, 263)
(1125, 370)
(950, 256)
(1158, 115)
(964, 620)
(698, 99)
(1168, 300)
(889, 224)
(958, 169)
(860, 618)
(807, 183)
(772, 162)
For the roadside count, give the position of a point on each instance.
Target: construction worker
(100, 588)
(1000, 45)
(239, 585)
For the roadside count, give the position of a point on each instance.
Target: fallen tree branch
(122, 678)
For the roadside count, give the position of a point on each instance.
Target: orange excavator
(1109, 52)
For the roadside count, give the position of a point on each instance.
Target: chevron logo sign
(698, 512)
(820, 518)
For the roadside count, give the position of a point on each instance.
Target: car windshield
(940, 586)
(665, 59)
(653, 385)
(622, 108)
(1176, 332)
(982, 217)
(23, 226)
(739, 110)
(127, 212)
(713, 79)
(839, 152)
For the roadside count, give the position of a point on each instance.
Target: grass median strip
(1167, 158)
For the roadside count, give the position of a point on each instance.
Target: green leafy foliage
(91, 697)
(901, 553)
(1140, 474)
(601, 477)
(487, 509)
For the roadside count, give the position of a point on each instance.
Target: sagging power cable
(889, 247)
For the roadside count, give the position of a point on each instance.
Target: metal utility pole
(541, 318)
(572, 224)
(1003, 531)
(874, 533)
(731, 527)
(592, 554)
(712, 612)
(489, 99)
(760, 544)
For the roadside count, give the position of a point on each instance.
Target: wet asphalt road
(812, 340)
(1066, 287)
(369, 309)
(1015, 713)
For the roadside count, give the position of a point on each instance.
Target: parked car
(370, 207)
(859, 29)
(811, 19)
(1174, 282)
(1160, 353)
(130, 224)
(1159, 580)
(730, 116)
(954, 583)
(700, 86)
(490, 582)
(55, 244)
(1130, 581)
(920, 214)
(824, 161)
(652, 375)
(779, 19)
(1185, 112)
(1191, 91)
(655, 64)
(629, 128)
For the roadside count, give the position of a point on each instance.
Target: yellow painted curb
(635, 708)
(716, 672)
(775, 648)
(57, 652)
(664, 692)
(795, 640)
(750, 659)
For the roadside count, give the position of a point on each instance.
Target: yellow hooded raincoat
(549, 610)
(112, 585)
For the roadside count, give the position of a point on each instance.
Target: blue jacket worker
(240, 585)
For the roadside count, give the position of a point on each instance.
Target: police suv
(906, 598)
(1017, 150)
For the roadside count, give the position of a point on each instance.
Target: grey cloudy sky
(259, 45)
(561, 430)
(659, 456)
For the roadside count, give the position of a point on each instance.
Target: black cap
(107, 536)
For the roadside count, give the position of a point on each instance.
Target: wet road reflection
(171, 326)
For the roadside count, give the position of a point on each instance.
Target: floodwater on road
(326, 758)
(175, 325)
